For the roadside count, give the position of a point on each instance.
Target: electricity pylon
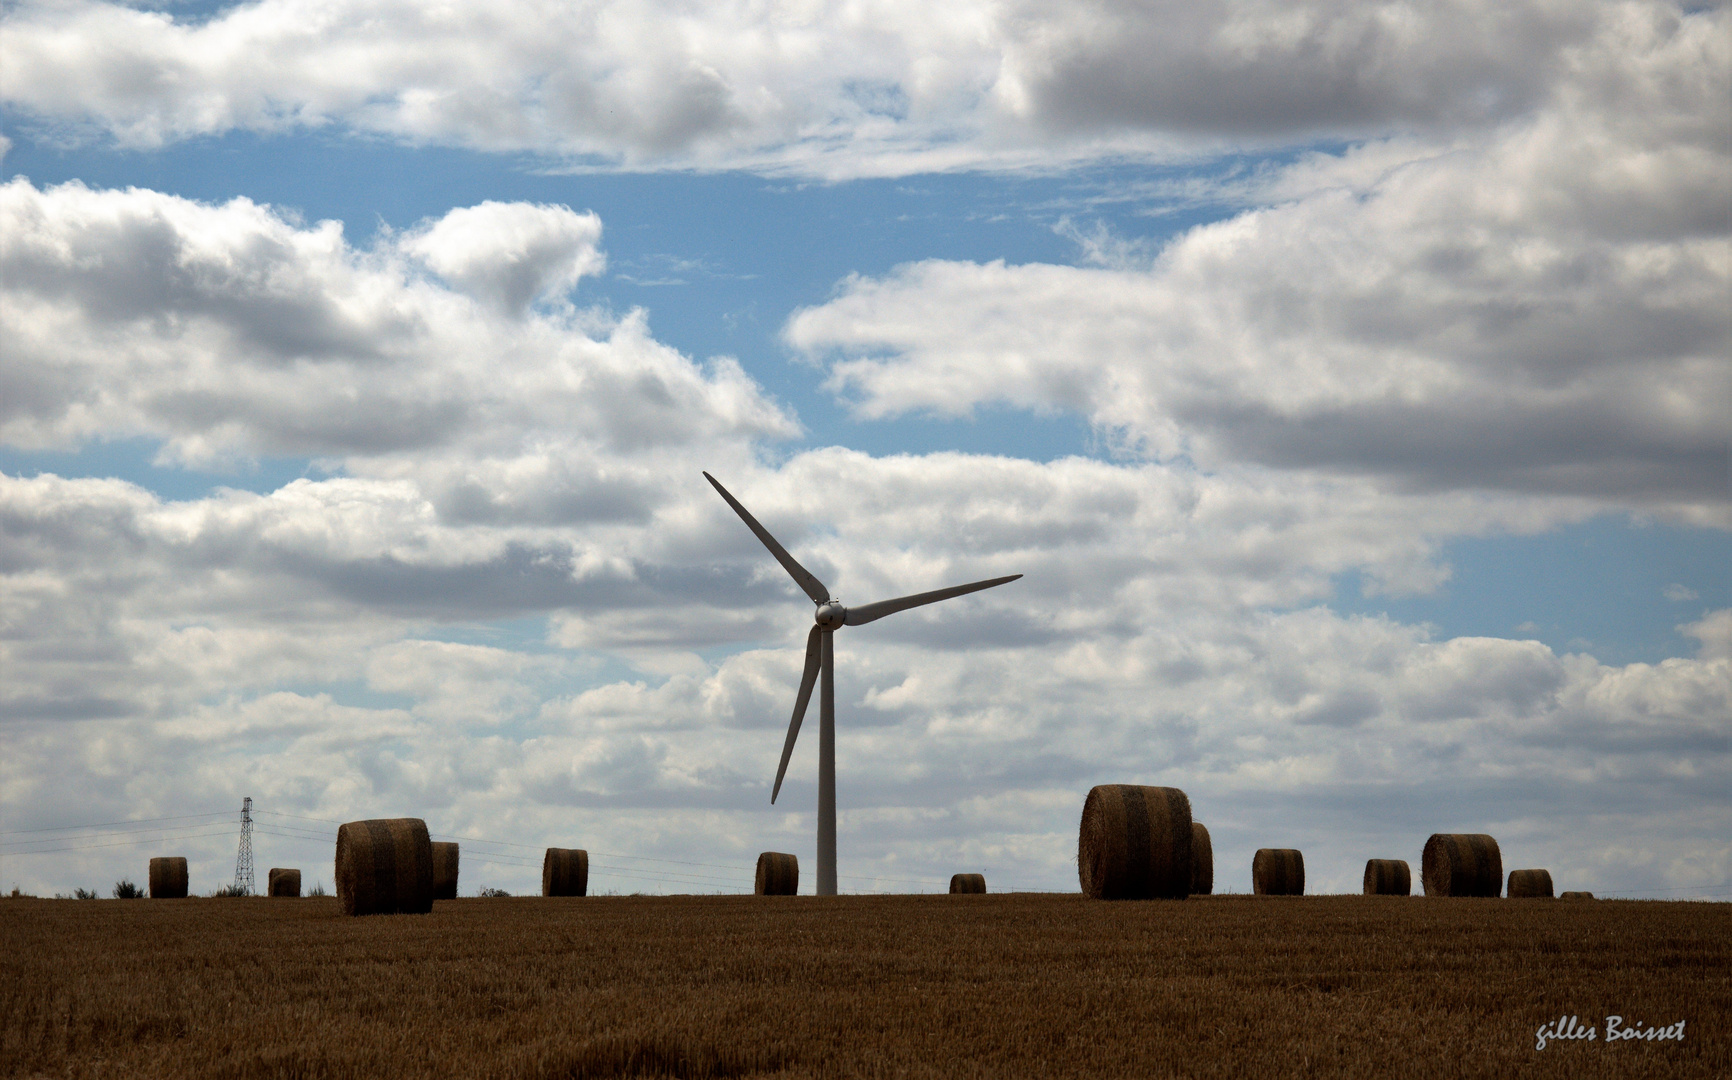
(244, 860)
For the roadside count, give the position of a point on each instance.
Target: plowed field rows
(916, 986)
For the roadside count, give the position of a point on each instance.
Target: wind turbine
(821, 659)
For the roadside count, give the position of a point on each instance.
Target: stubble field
(1020, 985)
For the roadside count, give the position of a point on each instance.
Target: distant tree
(230, 890)
(84, 894)
(318, 890)
(485, 891)
(126, 890)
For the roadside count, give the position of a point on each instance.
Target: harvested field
(1007, 985)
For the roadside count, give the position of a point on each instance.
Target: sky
(1349, 382)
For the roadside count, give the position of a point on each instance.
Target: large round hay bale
(168, 878)
(967, 883)
(565, 872)
(1135, 843)
(384, 867)
(1388, 877)
(1529, 884)
(1461, 864)
(778, 874)
(1202, 861)
(283, 882)
(1576, 894)
(444, 871)
(1278, 872)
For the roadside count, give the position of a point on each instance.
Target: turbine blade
(802, 577)
(806, 681)
(865, 613)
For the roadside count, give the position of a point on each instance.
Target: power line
(1724, 885)
(106, 824)
(300, 817)
(119, 843)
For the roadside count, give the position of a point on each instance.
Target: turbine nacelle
(831, 616)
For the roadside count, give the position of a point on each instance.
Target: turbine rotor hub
(831, 616)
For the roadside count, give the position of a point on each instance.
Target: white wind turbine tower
(820, 659)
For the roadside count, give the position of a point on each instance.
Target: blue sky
(1364, 413)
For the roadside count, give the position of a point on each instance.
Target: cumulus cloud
(510, 253)
(515, 609)
(1153, 666)
(1541, 311)
(838, 88)
(232, 331)
(292, 645)
(1714, 631)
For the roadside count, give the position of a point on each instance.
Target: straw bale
(1278, 872)
(283, 882)
(1529, 884)
(1576, 894)
(168, 878)
(565, 872)
(1202, 861)
(967, 883)
(1461, 864)
(1388, 877)
(444, 870)
(1135, 843)
(384, 867)
(778, 874)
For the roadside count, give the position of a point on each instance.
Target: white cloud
(1540, 310)
(1499, 314)
(830, 87)
(1167, 631)
(1288, 727)
(511, 253)
(230, 331)
(1714, 631)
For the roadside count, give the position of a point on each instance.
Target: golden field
(1018, 985)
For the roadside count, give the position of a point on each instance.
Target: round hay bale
(385, 867)
(1388, 877)
(779, 875)
(1278, 872)
(283, 882)
(565, 872)
(1529, 884)
(1576, 895)
(444, 871)
(168, 878)
(967, 883)
(1202, 861)
(1461, 864)
(1135, 843)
